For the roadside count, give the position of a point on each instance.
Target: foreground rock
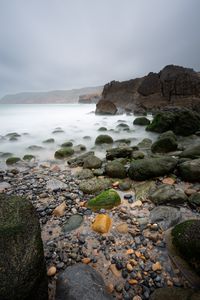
(93, 186)
(105, 108)
(192, 152)
(151, 167)
(119, 152)
(107, 200)
(167, 142)
(165, 216)
(64, 153)
(115, 169)
(79, 160)
(92, 162)
(174, 294)
(190, 170)
(168, 194)
(23, 271)
(81, 281)
(182, 122)
(186, 238)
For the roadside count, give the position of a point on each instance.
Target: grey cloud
(63, 44)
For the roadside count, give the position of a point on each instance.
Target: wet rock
(72, 223)
(35, 148)
(138, 155)
(167, 142)
(151, 167)
(143, 121)
(60, 210)
(165, 216)
(64, 153)
(115, 169)
(81, 281)
(84, 174)
(12, 160)
(186, 238)
(55, 185)
(168, 194)
(49, 141)
(23, 270)
(173, 293)
(191, 152)
(103, 139)
(102, 129)
(118, 152)
(102, 223)
(106, 200)
(183, 122)
(67, 144)
(92, 162)
(51, 271)
(79, 160)
(104, 107)
(79, 148)
(28, 157)
(124, 185)
(194, 199)
(93, 186)
(190, 170)
(145, 144)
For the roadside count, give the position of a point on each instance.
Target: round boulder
(143, 121)
(190, 170)
(92, 162)
(115, 169)
(168, 194)
(105, 107)
(103, 139)
(22, 265)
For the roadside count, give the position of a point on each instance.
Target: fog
(48, 44)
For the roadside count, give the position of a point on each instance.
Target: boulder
(12, 160)
(115, 169)
(138, 155)
(174, 293)
(194, 199)
(22, 264)
(151, 167)
(103, 139)
(166, 193)
(145, 144)
(79, 148)
(67, 144)
(81, 281)
(28, 157)
(191, 152)
(107, 200)
(79, 160)
(143, 121)
(186, 239)
(183, 122)
(94, 185)
(167, 142)
(84, 174)
(105, 107)
(92, 162)
(165, 216)
(119, 152)
(190, 170)
(64, 153)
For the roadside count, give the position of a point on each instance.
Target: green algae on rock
(28, 157)
(64, 152)
(107, 200)
(12, 160)
(186, 238)
(23, 270)
(103, 139)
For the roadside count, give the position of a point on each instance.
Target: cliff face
(172, 86)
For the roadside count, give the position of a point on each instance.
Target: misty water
(36, 123)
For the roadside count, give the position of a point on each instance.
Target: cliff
(172, 86)
(60, 97)
(90, 98)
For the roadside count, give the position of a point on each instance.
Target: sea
(73, 122)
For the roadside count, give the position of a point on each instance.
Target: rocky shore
(121, 233)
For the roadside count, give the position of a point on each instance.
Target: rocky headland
(172, 86)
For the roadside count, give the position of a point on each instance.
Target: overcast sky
(64, 44)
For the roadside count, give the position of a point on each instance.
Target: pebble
(157, 266)
(51, 271)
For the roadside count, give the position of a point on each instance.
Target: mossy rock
(184, 122)
(84, 174)
(103, 139)
(22, 264)
(164, 145)
(92, 162)
(192, 152)
(94, 185)
(49, 141)
(147, 168)
(107, 200)
(64, 153)
(5, 154)
(145, 144)
(190, 170)
(102, 129)
(138, 155)
(115, 169)
(194, 199)
(142, 121)
(67, 144)
(12, 160)
(119, 152)
(123, 141)
(28, 157)
(123, 126)
(186, 239)
(166, 193)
